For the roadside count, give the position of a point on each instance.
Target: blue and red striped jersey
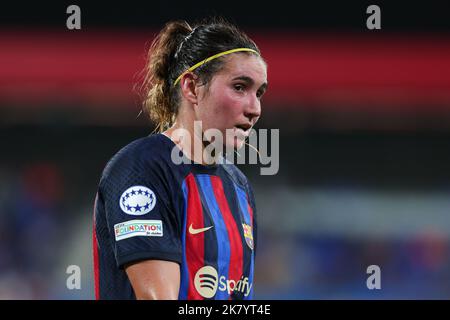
(201, 217)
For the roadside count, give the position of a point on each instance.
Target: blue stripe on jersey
(242, 198)
(184, 281)
(223, 243)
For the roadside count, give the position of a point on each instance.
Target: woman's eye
(259, 94)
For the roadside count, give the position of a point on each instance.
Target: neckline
(192, 162)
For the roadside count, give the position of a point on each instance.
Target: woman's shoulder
(235, 174)
(240, 180)
(141, 153)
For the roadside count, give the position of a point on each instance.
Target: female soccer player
(170, 230)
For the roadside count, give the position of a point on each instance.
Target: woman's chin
(236, 143)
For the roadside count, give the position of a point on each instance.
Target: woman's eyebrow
(250, 81)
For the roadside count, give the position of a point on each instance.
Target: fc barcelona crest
(248, 234)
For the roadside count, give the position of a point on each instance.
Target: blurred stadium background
(364, 119)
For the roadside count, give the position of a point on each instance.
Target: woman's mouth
(244, 127)
(243, 130)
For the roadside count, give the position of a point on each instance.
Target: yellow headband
(195, 66)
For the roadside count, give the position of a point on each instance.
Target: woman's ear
(189, 88)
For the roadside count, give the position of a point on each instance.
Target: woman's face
(232, 100)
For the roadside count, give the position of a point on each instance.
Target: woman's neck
(188, 136)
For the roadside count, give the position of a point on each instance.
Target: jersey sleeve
(140, 213)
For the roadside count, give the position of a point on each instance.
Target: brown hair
(178, 47)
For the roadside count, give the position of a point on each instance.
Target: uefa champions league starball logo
(137, 200)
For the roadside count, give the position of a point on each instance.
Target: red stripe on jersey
(236, 250)
(195, 251)
(95, 254)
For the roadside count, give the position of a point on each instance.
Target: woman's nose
(253, 109)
